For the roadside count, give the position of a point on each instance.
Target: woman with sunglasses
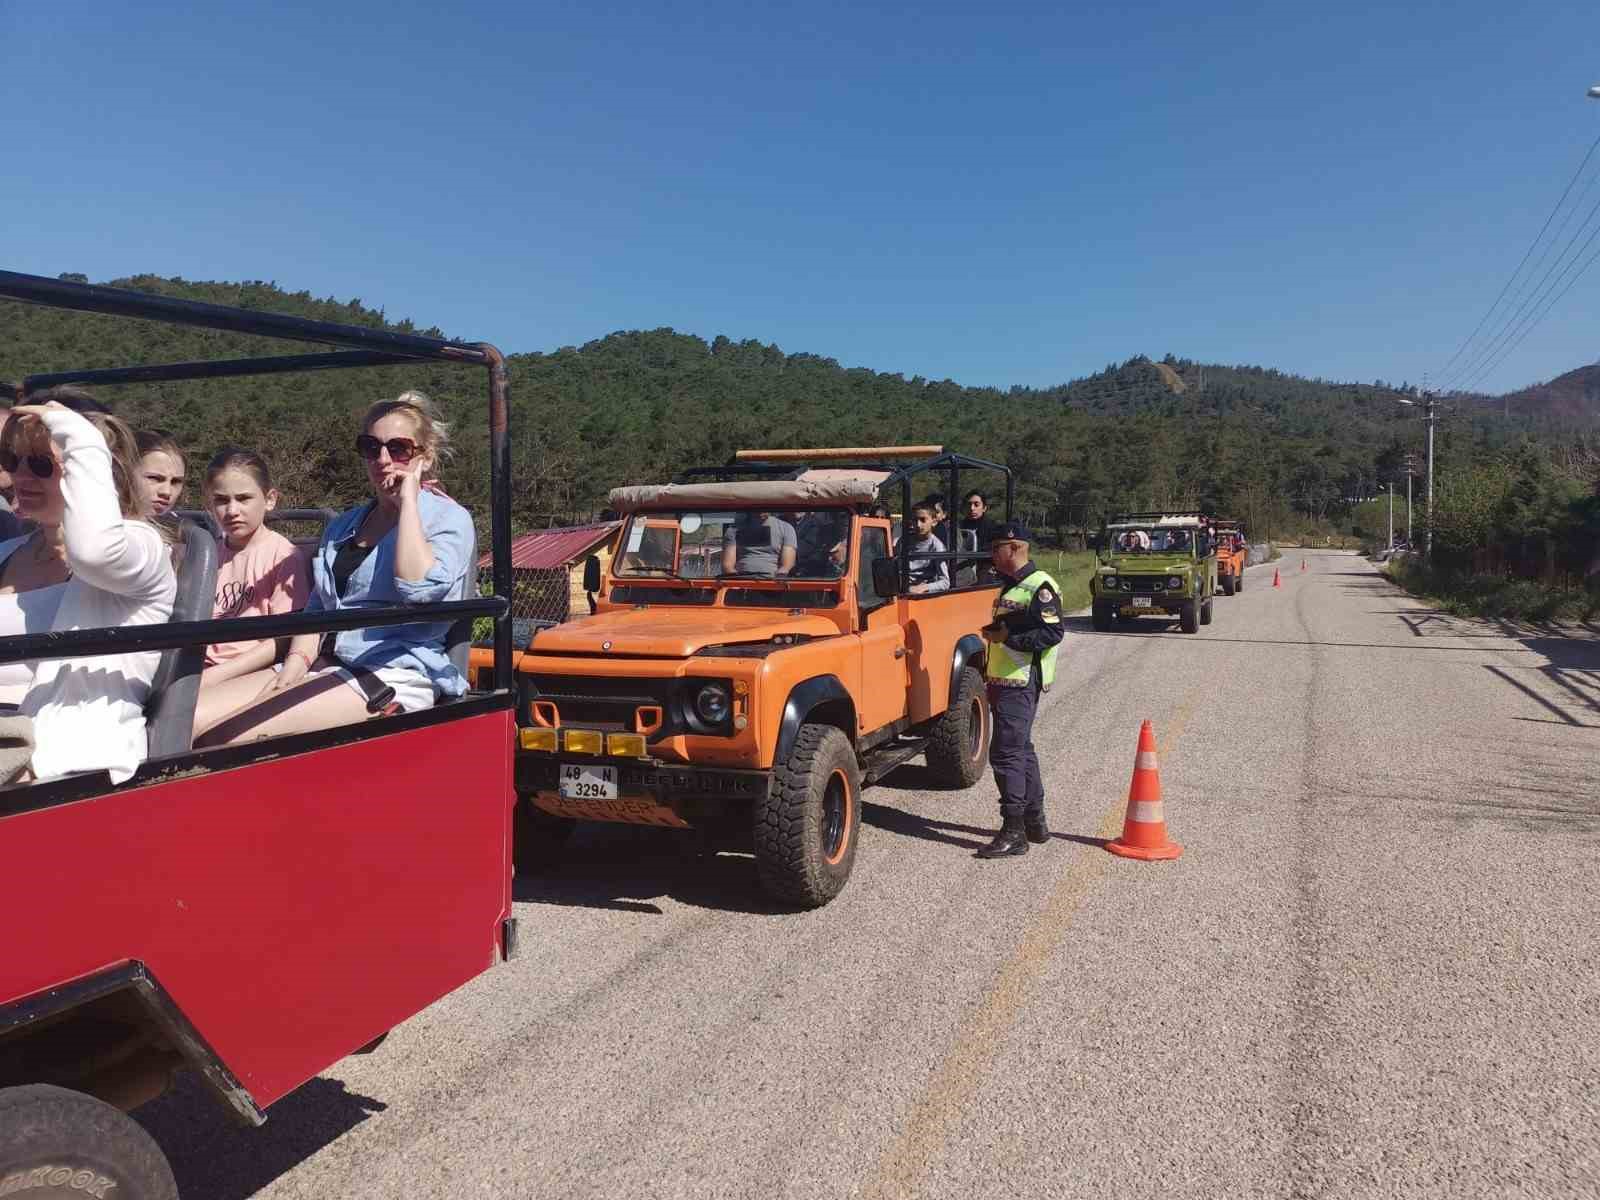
(91, 562)
(407, 545)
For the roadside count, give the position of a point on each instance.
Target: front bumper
(650, 792)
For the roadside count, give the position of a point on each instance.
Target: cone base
(1144, 853)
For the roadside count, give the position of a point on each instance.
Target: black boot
(1033, 824)
(1010, 841)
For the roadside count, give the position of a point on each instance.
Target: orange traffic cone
(1276, 582)
(1144, 831)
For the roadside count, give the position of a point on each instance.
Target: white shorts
(413, 691)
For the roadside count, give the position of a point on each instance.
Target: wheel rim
(836, 802)
(975, 730)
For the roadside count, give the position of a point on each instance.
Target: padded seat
(169, 712)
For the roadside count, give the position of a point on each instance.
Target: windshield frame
(663, 519)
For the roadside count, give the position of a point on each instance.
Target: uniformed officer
(1023, 640)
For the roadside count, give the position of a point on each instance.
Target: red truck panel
(294, 909)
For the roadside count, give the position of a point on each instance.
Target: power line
(1532, 298)
(1528, 254)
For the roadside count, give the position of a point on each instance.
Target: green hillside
(1273, 448)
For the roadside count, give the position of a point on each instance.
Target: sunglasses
(401, 450)
(40, 466)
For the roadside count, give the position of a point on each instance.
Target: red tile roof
(554, 548)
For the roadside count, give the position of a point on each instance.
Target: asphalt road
(1375, 971)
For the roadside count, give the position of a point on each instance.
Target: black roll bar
(362, 347)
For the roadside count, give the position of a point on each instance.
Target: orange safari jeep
(1232, 555)
(759, 653)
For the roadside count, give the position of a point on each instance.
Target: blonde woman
(407, 545)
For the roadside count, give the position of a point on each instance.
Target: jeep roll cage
(792, 464)
(359, 347)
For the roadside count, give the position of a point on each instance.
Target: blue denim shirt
(448, 528)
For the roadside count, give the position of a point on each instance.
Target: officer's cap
(1012, 531)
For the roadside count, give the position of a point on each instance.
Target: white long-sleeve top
(88, 713)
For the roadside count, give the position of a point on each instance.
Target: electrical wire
(1533, 245)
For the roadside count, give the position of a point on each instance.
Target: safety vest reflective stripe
(1014, 668)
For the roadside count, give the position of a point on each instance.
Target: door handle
(899, 651)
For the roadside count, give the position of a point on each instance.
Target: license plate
(580, 782)
(1141, 601)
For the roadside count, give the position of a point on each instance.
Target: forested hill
(638, 406)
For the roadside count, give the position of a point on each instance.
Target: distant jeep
(1154, 564)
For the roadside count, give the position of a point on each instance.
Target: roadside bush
(1493, 596)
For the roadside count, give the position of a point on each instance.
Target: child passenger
(161, 471)
(259, 571)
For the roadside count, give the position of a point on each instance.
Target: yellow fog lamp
(537, 739)
(625, 745)
(584, 741)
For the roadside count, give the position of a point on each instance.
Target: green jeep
(1154, 563)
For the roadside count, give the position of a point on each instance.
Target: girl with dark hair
(162, 468)
(91, 562)
(259, 571)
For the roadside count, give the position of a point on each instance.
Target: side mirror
(886, 577)
(591, 574)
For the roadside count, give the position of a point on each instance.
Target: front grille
(597, 702)
(1144, 583)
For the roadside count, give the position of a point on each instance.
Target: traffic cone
(1144, 831)
(1276, 582)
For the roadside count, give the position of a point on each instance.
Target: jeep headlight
(1175, 581)
(711, 702)
(1109, 582)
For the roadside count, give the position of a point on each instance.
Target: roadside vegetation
(1516, 536)
(1071, 569)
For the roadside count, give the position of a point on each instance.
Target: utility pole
(1432, 418)
(1391, 516)
(1409, 473)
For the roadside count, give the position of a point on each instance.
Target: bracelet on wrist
(300, 656)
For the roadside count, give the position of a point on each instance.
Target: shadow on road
(896, 820)
(214, 1158)
(627, 868)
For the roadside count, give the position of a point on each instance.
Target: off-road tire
(802, 858)
(1100, 616)
(1205, 610)
(1189, 617)
(1238, 582)
(79, 1146)
(537, 837)
(958, 753)
(1228, 587)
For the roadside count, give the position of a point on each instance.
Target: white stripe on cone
(1146, 761)
(1146, 812)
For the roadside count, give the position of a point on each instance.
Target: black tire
(807, 828)
(1205, 610)
(537, 837)
(1227, 584)
(1189, 617)
(1238, 582)
(77, 1146)
(1100, 616)
(958, 747)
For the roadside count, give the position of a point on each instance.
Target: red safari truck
(250, 913)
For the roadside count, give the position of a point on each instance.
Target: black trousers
(1016, 766)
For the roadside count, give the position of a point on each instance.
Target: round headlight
(1174, 580)
(1108, 582)
(712, 703)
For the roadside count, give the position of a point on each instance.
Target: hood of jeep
(1149, 564)
(660, 632)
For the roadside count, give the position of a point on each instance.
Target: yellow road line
(900, 1169)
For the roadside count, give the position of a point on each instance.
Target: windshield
(1150, 540)
(705, 544)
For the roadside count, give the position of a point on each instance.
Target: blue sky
(998, 194)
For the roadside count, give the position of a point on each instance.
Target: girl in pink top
(259, 571)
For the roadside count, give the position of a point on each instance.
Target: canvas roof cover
(821, 487)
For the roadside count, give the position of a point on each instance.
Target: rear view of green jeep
(1154, 564)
